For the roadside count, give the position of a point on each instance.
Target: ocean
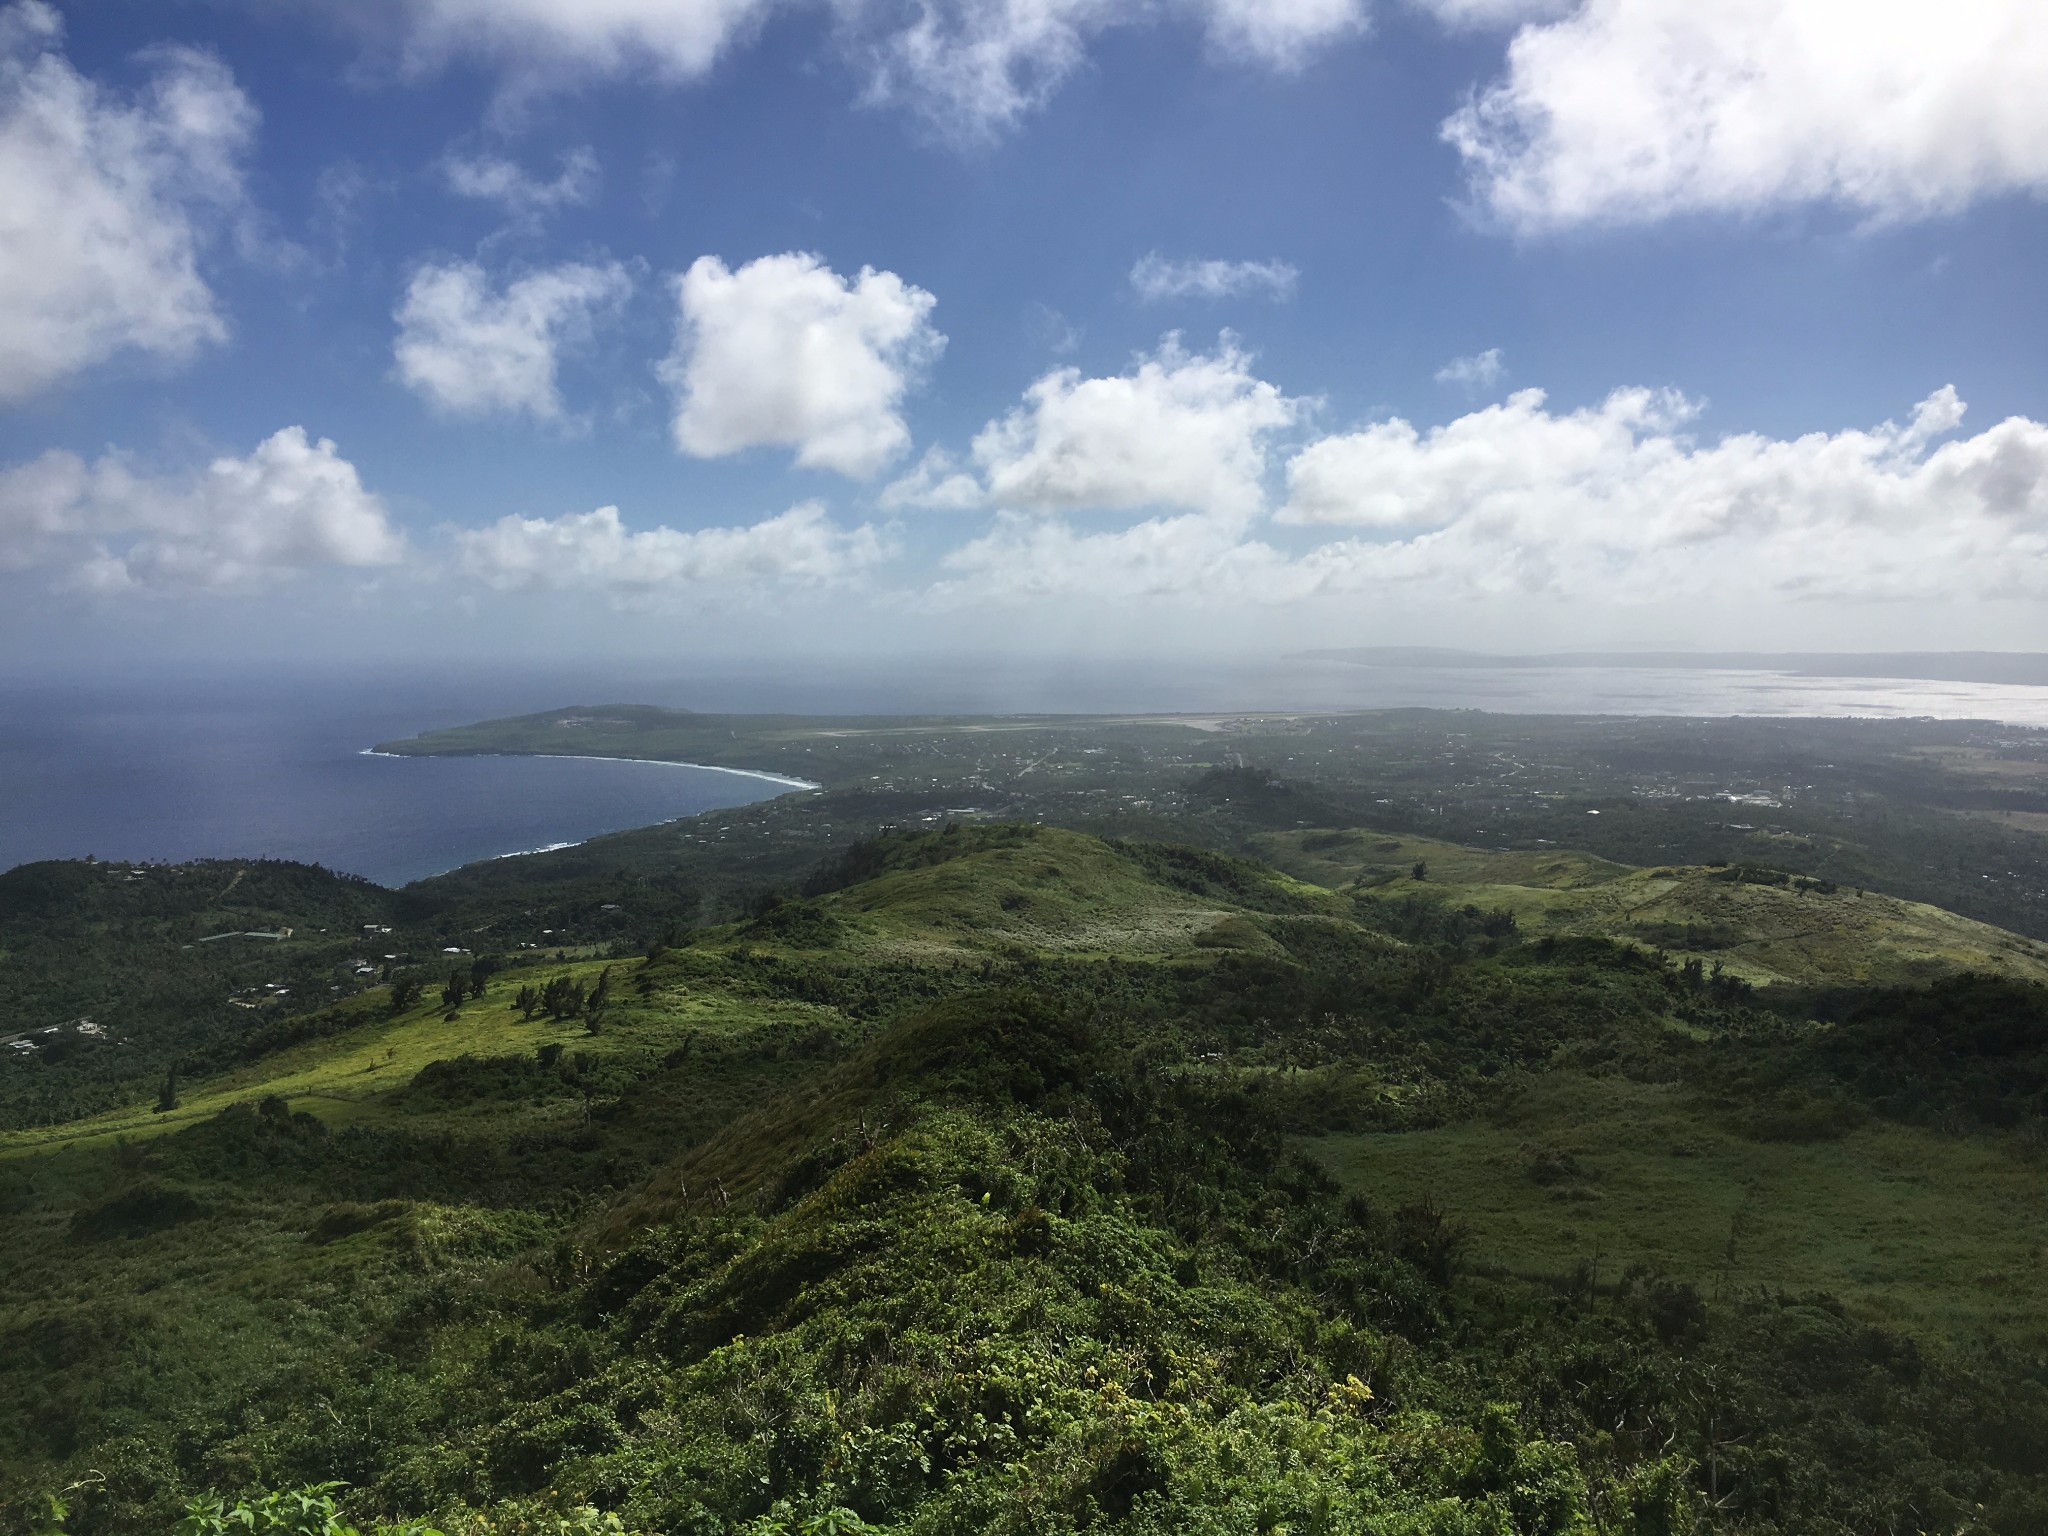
(171, 772)
(275, 766)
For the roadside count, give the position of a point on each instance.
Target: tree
(526, 1000)
(167, 1096)
(405, 991)
(452, 995)
(1420, 871)
(562, 998)
(598, 1002)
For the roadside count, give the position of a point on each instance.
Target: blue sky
(551, 328)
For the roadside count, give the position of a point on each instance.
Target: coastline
(590, 757)
(523, 853)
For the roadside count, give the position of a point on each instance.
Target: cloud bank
(594, 551)
(1622, 503)
(106, 204)
(1168, 483)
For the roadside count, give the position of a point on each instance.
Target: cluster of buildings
(34, 1040)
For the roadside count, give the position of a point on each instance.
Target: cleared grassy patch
(1057, 893)
(1908, 1226)
(1759, 925)
(351, 1078)
(1355, 855)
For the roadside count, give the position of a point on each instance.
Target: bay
(255, 764)
(169, 773)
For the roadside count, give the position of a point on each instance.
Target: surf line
(591, 757)
(521, 853)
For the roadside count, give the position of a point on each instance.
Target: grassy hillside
(168, 963)
(933, 905)
(1757, 923)
(1588, 1176)
(1061, 892)
(1002, 1178)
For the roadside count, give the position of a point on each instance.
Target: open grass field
(1797, 932)
(2006, 769)
(1053, 893)
(358, 1075)
(1911, 1227)
(1058, 893)
(1349, 856)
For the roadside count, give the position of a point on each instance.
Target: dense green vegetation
(999, 1178)
(1752, 922)
(1953, 813)
(178, 965)
(1129, 1140)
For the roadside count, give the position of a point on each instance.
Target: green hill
(1063, 892)
(1002, 1178)
(1756, 923)
(930, 905)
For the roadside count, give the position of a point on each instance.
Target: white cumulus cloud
(471, 351)
(492, 178)
(106, 204)
(1482, 370)
(1181, 429)
(1631, 110)
(786, 352)
(595, 551)
(1619, 504)
(292, 504)
(1156, 279)
(1391, 475)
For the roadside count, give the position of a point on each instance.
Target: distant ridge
(2022, 667)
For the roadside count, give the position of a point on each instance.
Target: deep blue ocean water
(172, 772)
(266, 765)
